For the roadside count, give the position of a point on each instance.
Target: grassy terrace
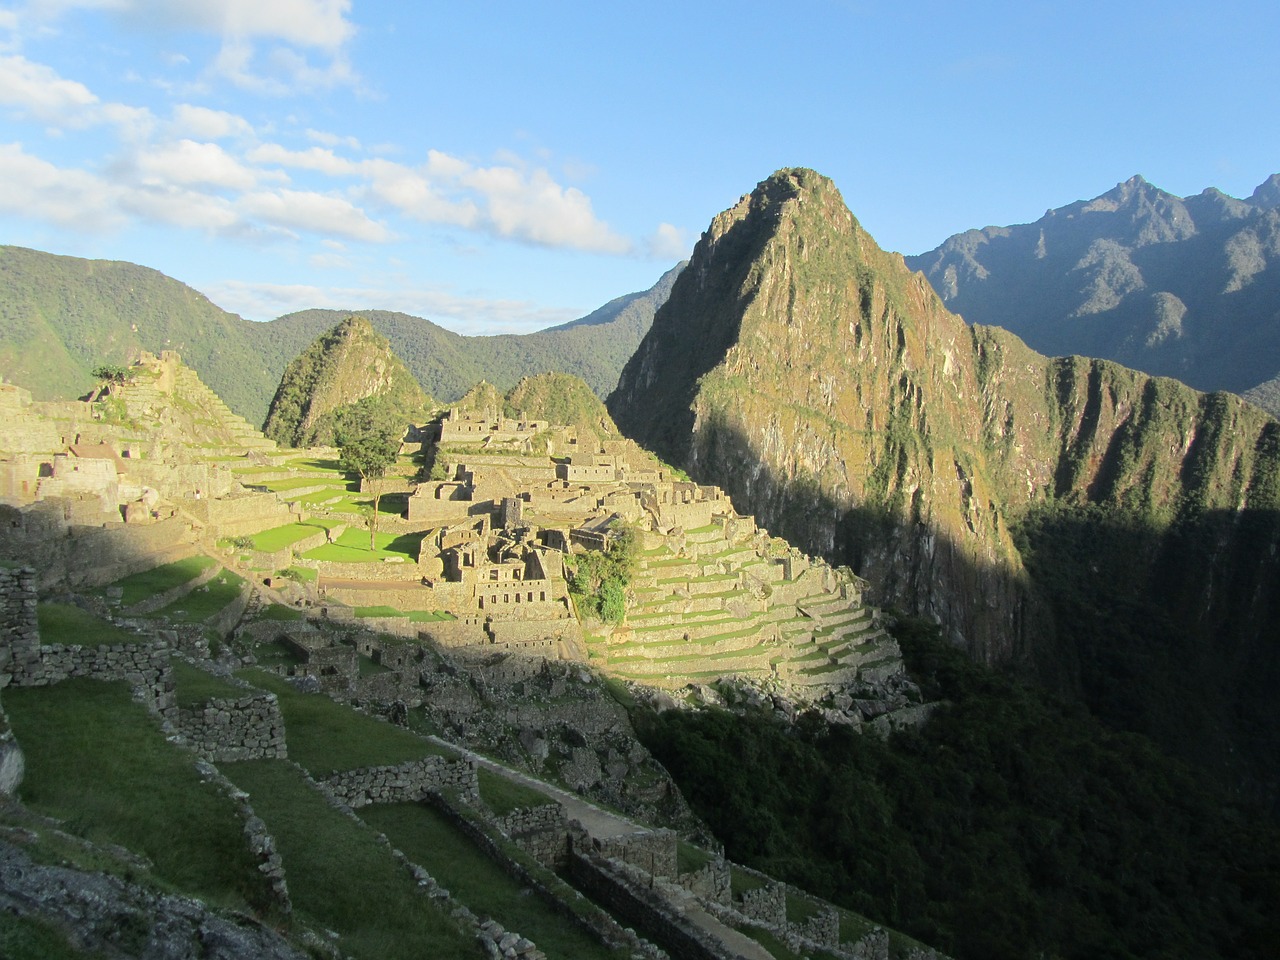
(325, 737)
(205, 601)
(148, 583)
(278, 538)
(429, 840)
(353, 547)
(67, 623)
(193, 687)
(341, 878)
(99, 761)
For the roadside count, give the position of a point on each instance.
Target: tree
(369, 434)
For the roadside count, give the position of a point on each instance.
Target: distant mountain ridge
(60, 317)
(1185, 287)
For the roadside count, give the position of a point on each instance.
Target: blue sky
(501, 167)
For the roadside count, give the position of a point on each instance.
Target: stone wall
(768, 903)
(403, 783)
(629, 896)
(653, 851)
(144, 666)
(246, 728)
(542, 832)
(19, 628)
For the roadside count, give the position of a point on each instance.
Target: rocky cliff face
(349, 363)
(827, 388)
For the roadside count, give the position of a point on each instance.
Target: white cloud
(467, 315)
(668, 243)
(313, 158)
(317, 212)
(534, 207)
(36, 189)
(175, 206)
(188, 162)
(191, 120)
(332, 139)
(39, 93)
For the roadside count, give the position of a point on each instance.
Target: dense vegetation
(1010, 825)
(598, 579)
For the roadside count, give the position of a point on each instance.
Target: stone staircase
(235, 436)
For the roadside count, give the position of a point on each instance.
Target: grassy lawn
(22, 938)
(277, 538)
(302, 574)
(67, 623)
(353, 547)
(325, 737)
(205, 601)
(690, 859)
(100, 762)
(278, 611)
(341, 878)
(432, 842)
(194, 687)
(503, 795)
(274, 654)
(148, 583)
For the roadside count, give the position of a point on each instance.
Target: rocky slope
(830, 392)
(347, 364)
(1185, 287)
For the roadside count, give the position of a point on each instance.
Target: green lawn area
(503, 795)
(432, 842)
(341, 878)
(205, 601)
(67, 623)
(148, 583)
(100, 762)
(326, 737)
(353, 547)
(194, 687)
(278, 538)
(392, 504)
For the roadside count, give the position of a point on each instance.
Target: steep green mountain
(829, 391)
(345, 365)
(60, 317)
(1185, 287)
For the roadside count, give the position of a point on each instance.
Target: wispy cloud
(467, 315)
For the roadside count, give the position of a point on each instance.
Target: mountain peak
(1268, 192)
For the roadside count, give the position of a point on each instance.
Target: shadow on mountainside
(1171, 631)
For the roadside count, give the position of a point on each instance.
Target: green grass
(24, 938)
(148, 583)
(741, 881)
(432, 842)
(325, 737)
(205, 601)
(341, 878)
(353, 547)
(302, 574)
(690, 859)
(67, 623)
(503, 795)
(800, 910)
(100, 762)
(275, 653)
(415, 616)
(278, 538)
(278, 611)
(194, 687)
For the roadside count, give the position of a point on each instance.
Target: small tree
(369, 434)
